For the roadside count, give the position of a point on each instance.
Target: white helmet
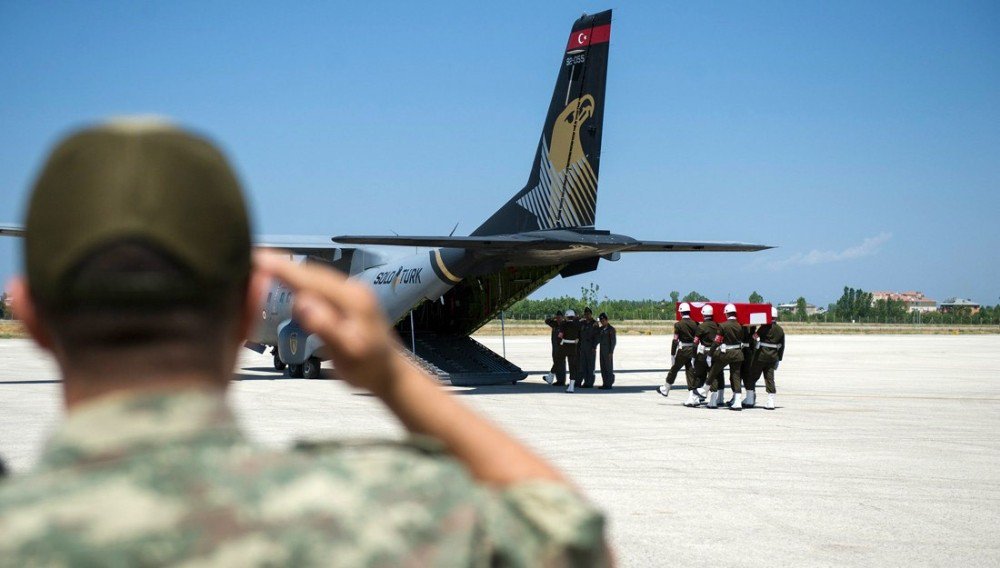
(570, 314)
(774, 312)
(730, 309)
(707, 311)
(684, 308)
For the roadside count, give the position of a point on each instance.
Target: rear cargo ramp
(463, 361)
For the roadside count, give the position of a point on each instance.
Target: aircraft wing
(295, 242)
(11, 231)
(497, 242)
(298, 244)
(600, 242)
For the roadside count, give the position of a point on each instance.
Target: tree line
(854, 305)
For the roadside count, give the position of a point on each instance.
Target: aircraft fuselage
(400, 284)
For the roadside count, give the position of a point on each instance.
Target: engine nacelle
(296, 345)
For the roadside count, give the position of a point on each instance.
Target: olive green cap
(137, 181)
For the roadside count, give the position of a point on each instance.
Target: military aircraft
(438, 290)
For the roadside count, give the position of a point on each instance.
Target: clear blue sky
(862, 138)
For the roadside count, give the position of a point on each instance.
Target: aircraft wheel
(279, 365)
(295, 371)
(310, 369)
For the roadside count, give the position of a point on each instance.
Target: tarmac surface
(884, 450)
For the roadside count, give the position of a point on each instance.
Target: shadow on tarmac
(617, 371)
(521, 387)
(535, 388)
(271, 375)
(267, 369)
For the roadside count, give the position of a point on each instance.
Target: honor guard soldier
(590, 336)
(558, 371)
(608, 339)
(770, 350)
(682, 352)
(569, 339)
(704, 339)
(748, 354)
(729, 352)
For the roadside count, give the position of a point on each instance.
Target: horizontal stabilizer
(677, 246)
(552, 241)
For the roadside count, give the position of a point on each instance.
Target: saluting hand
(345, 314)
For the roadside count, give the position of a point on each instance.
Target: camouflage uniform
(152, 479)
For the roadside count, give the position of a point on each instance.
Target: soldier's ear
(25, 311)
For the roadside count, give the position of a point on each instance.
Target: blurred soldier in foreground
(590, 336)
(729, 352)
(569, 348)
(558, 371)
(705, 335)
(770, 351)
(608, 340)
(681, 353)
(139, 282)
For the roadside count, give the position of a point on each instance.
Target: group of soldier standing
(575, 343)
(705, 349)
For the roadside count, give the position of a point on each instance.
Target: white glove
(776, 365)
(673, 358)
(709, 360)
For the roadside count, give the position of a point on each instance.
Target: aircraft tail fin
(562, 187)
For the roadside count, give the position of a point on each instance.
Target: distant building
(952, 305)
(791, 307)
(915, 301)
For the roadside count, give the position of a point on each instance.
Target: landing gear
(310, 369)
(279, 365)
(295, 371)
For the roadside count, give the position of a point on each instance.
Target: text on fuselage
(399, 276)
